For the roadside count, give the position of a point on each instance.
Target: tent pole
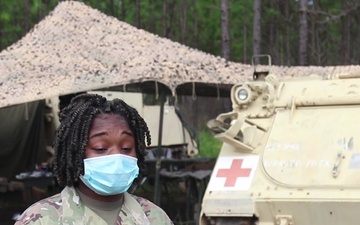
(157, 193)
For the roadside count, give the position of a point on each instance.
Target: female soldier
(99, 151)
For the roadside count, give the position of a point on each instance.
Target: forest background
(293, 32)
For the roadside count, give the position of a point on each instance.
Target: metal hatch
(315, 147)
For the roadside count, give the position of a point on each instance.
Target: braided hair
(73, 134)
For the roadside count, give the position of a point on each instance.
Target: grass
(209, 145)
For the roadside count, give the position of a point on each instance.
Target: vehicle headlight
(243, 94)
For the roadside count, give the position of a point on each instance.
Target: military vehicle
(290, 154)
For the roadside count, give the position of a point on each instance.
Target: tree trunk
(171, 15)
(303, 33)
(1, 30)
(196, 24)
(40, 12)
(355, 52)
(164, 17)
(152, 20)
(345, 35)
(313, 35)
(112, 7)
(183, 13)
(270, 31)
(257, 28)
(27, 16)
(225, 29)
(123, 10)
(138, 18)
(245, 44)
(287, 35)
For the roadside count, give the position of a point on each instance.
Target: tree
(257, 28)
(225, 26)
(303, 33)
(195, 38)
(123, 10)
(182, 20)
(287, 35)
(164, 18)
(138, 17)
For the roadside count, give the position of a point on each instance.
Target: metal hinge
(284, 220)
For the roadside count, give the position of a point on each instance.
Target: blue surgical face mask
(110, 174)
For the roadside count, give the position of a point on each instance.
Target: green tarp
(22, 138)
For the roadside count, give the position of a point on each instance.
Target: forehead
(109, 121)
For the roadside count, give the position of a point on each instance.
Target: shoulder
(42, 212)
(152, 211)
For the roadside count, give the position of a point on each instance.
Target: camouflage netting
(77, 48)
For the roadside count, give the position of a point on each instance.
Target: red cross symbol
(234, 172)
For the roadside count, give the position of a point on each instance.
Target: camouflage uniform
(66, 208)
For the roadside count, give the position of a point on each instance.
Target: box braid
(73, 134)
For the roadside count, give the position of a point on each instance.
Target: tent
(22, 137)
(77, 48)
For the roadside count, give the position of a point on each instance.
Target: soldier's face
(110, 134)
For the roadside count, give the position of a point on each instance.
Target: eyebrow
(106, 133)
(98, 134)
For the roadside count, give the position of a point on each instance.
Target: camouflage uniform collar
(74, 212)
(73, 209)
(133, 208)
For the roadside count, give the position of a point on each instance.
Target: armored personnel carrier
(290, 154)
